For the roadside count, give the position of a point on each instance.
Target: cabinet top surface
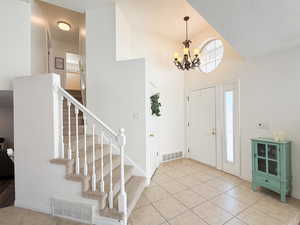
(272, 140)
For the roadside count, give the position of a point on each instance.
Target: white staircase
(93, 155)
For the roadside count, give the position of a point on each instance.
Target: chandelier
(188, 62)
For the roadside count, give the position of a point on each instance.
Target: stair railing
(115, 140)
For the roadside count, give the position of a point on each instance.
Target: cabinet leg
(283, 197)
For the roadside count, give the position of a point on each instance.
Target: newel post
(122, 201)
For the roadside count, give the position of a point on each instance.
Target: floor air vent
(172, 156)
(72, 210)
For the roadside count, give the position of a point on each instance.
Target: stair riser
(89, 141)
(89, 156)
(73, 125)
(73, 131)
(117, 186)
(106, 171)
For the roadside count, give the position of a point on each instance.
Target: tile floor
(185, 192)
(17, 216)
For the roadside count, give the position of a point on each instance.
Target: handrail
(86, 111)
(115, 140)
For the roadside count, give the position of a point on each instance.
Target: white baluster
(111, 193)
(122, 201)
(102, 163)
(77, 144)
(69, 121)
(94, 169)
(62, 127)
(85, 159)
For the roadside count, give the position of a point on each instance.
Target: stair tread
(134, 188)
(115, 161)
(117, 178)
(127, 171)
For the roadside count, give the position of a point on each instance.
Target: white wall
(36, 143)
(39, 45)
(7, 124)
(268, 88)
(227, 71)
(14, 41)
(160, 71)
(115, 90)
(269, 91)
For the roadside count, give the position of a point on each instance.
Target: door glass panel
(272, 165)
(229, 135)
(272, 152)
(261, 165)
(261, 150)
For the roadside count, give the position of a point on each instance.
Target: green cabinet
(271, 165)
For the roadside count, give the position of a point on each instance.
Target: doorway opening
(7, 188)
(72, 72)
(59, 34)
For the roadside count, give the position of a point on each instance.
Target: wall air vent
(72, 210)
(172, 156)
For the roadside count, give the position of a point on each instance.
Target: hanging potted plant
(155, 105)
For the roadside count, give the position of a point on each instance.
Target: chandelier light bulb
(185, 51)
(176, 55)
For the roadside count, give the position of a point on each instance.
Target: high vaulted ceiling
(164, 17)
(254, 27)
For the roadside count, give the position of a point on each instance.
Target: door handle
(151, 135)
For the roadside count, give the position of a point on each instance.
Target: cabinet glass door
(273, 159)
(261, 157)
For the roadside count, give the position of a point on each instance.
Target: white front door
(203, 126)
(231, 150)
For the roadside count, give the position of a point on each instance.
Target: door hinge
(188, 98)
(188, 124)
(156, 153)
(188, 150)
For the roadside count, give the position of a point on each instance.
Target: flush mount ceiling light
(188, 62)
(64, 26)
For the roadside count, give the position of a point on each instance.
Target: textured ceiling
(164, 17)
(254, 27)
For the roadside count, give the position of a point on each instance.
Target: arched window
(211, 55)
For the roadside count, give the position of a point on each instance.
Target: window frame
(214, 62)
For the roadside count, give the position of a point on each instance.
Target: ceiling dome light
(64, 26)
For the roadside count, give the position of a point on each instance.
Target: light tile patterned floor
(17, 216)
(185, 192)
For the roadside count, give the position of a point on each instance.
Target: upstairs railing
(103, 134)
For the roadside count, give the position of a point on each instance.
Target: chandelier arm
(186, 30)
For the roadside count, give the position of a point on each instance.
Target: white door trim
(189, 119)
(235, 168)
(219, 121)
